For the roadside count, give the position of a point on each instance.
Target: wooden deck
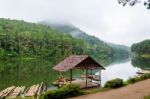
(6, 92)
(82, 84)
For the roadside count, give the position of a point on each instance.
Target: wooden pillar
(70, 76)
(100, 78)
(91, 74)
(86, 77)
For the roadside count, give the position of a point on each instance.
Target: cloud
(105, 19)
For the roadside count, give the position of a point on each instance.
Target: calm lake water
(119, 70)
(31, 72)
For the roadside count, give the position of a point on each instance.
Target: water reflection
(29, 72)
(120, 70)
(125, 69)
(143, 63)
(26, 73)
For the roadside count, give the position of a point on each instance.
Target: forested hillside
(30, 40)
(103, 47)
(141, 48)
(120, 50)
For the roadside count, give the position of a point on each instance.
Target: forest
(20, 39)
(141, 49)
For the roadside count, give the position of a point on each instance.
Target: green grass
(135, 79)
(147, 97)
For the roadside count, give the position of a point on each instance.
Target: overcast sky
(105, 19)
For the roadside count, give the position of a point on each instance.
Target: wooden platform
(82, 84)
(15, 91)
(6, 92)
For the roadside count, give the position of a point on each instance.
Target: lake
(29, 72)
(119, 70)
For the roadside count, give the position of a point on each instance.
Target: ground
(133, 91)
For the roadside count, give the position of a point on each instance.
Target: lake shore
(133, 91)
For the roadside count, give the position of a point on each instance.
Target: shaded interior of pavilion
(87, 67)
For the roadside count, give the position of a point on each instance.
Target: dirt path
(134, 91)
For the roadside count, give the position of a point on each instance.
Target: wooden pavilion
(83, 62)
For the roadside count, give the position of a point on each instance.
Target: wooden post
(70, 76)
(91, 74)
(86, 77)
(100, 78)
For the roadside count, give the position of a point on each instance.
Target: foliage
(132, 80)
(140, 62)
(120, 50)
(115, 83)
(138, 78)
(2, 54)
(23, 39)
(74, 90)
(133, 2)
(94, 44)
(147, 97)
(141, 47)
(95, 90)
(62, 93)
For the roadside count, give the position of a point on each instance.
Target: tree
(146, 3)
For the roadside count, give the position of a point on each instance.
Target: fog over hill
(78, 33)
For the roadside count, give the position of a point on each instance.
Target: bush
(145, 76)
(66, 91)
(136, 79)
(132, 80)
(147, 97)
(115, 83)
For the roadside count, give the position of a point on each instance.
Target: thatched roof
(77, 61)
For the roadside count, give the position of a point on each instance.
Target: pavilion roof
(77, 61)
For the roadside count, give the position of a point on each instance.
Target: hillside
(120, 50)
(103, 47)
(141, 49)
(20, 39)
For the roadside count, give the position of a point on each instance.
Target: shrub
(66, 91)
(132, 80)
(115, 83)
(145, 76)
(147, 97)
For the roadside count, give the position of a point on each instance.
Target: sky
(105, 19)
